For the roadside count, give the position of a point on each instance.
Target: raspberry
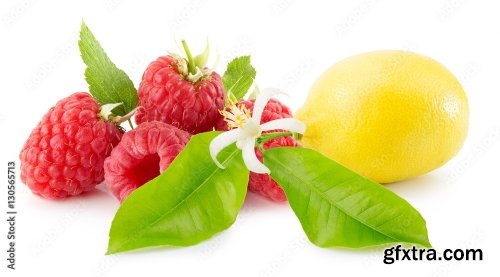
(166, 95)
(263, 183)
(142, 154)
(64, 154)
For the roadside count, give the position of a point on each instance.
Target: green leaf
(107, 83)
(338, 207)
(238, 77)
(188, 203)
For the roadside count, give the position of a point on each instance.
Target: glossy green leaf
(107, 83)
(338, 207)
(188, 203)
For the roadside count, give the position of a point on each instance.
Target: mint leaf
(338, 207)
(188, 203)
(107, 83)
(238, 77)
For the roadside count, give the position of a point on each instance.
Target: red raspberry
(142, 154)
(165, 94)
(263, 183)
(64, 154)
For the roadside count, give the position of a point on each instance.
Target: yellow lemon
(388, 115)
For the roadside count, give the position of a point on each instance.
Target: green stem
(297, 136)
(191, 63)
(130, 124)
(269, 136)
(261, 148)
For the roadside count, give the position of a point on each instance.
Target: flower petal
(251, 161)
(261, 102)
(222, 141)
(289, 124)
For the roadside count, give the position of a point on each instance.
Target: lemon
(388, 115)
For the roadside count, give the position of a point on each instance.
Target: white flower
(245, 130)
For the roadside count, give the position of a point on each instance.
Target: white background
(291, 43)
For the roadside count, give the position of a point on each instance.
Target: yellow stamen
(236, 116)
